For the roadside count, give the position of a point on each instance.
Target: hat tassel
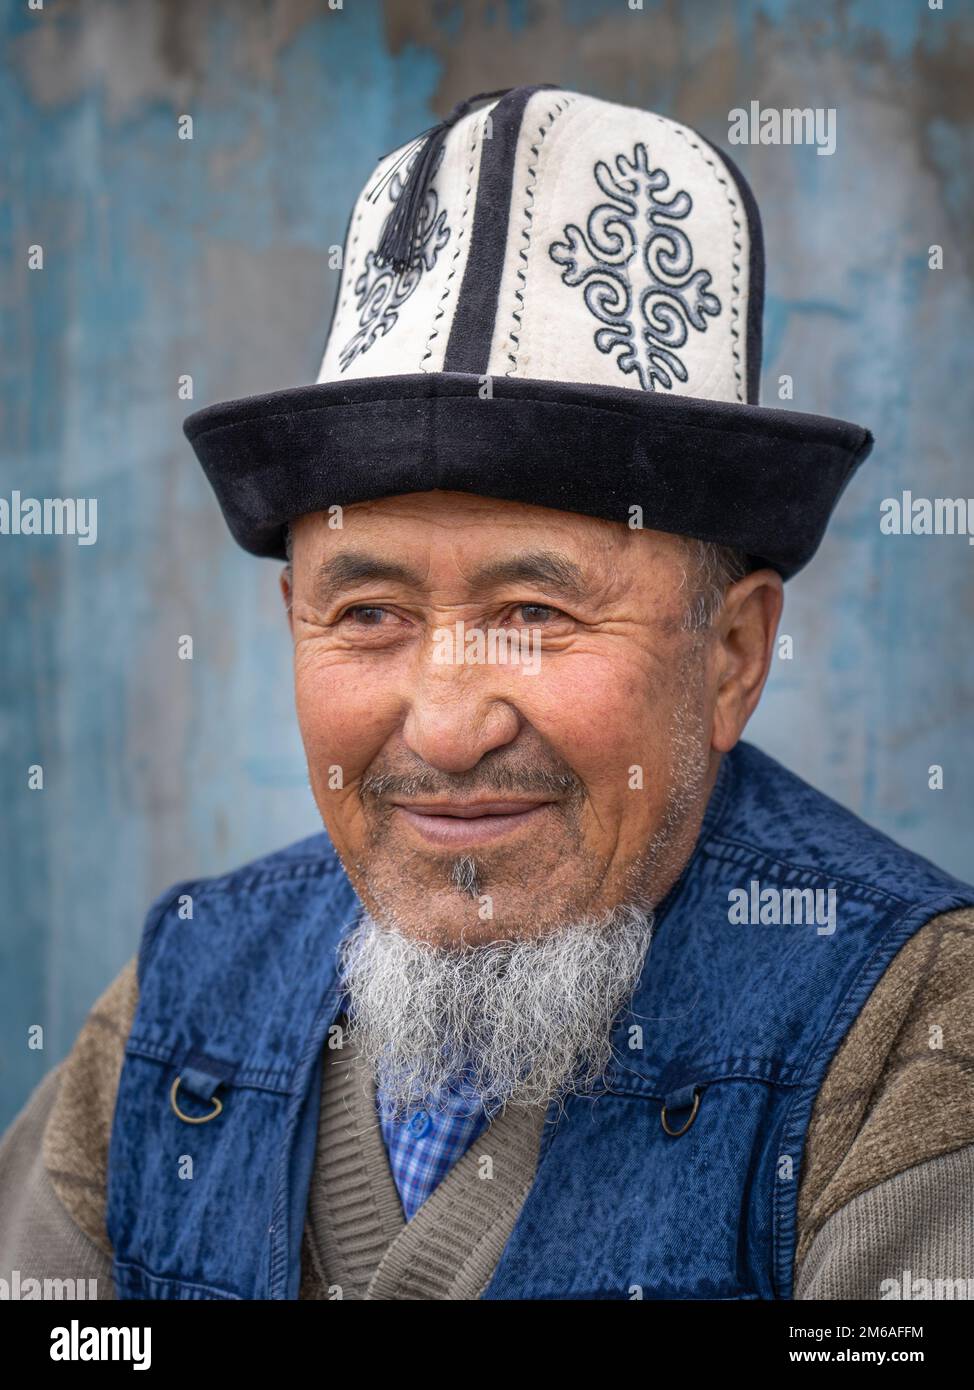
(397, 245)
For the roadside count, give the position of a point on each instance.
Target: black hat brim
(760, 479)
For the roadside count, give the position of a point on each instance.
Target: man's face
(472, 797)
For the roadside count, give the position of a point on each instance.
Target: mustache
(376, 786)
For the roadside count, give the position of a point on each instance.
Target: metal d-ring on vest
(194, 1119)
(693, 1114)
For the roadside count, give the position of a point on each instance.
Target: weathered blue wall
(209, 257)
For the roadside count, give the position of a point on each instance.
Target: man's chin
(444, 915)
(445, 918)
(474, 899)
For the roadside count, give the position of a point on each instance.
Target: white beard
(523, 1021)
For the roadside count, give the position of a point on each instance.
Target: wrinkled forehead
(440, 529)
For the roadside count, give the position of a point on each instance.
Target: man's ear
(287, 593)
(744, 631)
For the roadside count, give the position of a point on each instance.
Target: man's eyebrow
(548, 568)
(545, 567)
(354, 567)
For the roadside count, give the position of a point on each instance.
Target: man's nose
(457, 713)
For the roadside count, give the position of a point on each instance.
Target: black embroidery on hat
(381, 289)
(672, 296)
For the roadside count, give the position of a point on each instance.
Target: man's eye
(364, 616)
(536, 614)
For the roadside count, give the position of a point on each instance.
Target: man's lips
(468, 822)
(466, 810)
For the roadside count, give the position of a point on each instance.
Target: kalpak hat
(553, 299)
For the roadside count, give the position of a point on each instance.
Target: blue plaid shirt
(424, 1147)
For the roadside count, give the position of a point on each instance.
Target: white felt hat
(553, 299)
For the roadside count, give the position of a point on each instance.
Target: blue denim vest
(728, 1038)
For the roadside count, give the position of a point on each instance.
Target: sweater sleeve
(911, 1236)
(889, 1161)
(54, 1157)
(38, 1238)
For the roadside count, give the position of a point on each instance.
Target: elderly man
(579, 996)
